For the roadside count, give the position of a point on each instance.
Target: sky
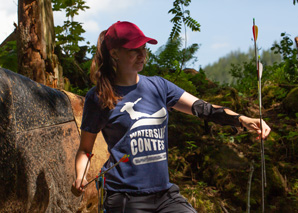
(226, 26)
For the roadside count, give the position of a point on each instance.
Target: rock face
(39, 138)
(290, 102)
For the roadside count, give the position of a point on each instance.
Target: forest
(218, 168)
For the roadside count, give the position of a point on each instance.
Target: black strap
(206, 111)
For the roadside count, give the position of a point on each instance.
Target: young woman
(131, 111)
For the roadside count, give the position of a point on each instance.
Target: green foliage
(167, 63)
(71, 7)
(288, 69)
(169, 56)
(76, 69)
(172, 56)
(182, 80)
(191, 145)
(78, 91)
(293, 136)
(280, 72)
(182, 16)
(272, 94)
(245, 75)
(69, 35)
(76, 66)
(8, 56)
(220, 71)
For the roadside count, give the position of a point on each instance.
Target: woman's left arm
(186, 102)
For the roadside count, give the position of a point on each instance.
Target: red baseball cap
(126, 34)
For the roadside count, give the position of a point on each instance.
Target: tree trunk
(36, 41)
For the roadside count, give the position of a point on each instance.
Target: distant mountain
(219, 71)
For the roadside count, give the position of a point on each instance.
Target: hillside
(213, 164)
(220, 70)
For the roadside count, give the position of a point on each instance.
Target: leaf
(179, 18)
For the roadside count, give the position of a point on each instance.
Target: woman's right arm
(86, 146)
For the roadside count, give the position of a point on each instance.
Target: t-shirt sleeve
(92, 120)
(173, 93)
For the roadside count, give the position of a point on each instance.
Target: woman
(130, 110)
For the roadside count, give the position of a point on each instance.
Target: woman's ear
(113, 54)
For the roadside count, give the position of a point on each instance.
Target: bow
(89, 155)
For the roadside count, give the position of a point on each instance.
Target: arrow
(255, 34)
(124, 159)
(259, 67)
(255, 31)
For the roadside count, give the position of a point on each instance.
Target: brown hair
(103, 73)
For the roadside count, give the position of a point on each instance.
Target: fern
(182, 16)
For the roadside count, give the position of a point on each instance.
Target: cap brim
(136, 43)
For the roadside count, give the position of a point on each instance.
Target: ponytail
(103, 74)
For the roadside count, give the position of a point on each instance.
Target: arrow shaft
(258, 69)
(85, 171)
(104, 172)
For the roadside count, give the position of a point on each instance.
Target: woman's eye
(138, 49)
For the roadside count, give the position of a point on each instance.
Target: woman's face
(131, 60)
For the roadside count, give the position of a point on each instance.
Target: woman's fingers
(265, 130)
(76, 189)
(254, 124)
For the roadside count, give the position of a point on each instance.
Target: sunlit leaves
(69, 35)
(289, 55)
(8, 56)
(181, 16)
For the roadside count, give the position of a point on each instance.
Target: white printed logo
(144, 119)
(149, 140)
(150, 159)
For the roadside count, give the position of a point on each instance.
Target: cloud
(217, 46)
(9, 6)
(7, 19)
(91, 26)
(112, 6)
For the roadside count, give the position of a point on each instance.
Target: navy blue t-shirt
(137, 126)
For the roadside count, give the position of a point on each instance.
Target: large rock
(290, 102)
(39, 138)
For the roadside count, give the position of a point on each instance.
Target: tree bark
(36, 41)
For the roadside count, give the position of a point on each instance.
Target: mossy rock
(272, 94)
(290, 103)
(227, 97)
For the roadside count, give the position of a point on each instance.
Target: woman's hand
(82, 165)
(78, 189)
(254, 125)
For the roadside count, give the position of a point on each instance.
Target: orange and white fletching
(260, 69)
(124, 159)
(255, 32)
